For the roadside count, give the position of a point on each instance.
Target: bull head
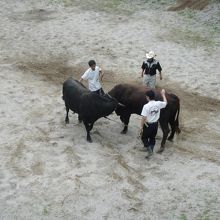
(112, 98)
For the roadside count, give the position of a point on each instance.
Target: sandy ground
(48, 170)
(193, 4)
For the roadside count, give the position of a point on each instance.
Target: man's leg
(101, 92)
(153, 133)
(146, 79)
(96, 92)
(152, 82)
(145, 139)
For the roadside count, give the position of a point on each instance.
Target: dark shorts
(99, 91)
(149, 134)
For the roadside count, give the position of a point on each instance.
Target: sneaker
(144, 149)
(151, 147)
(150, 153)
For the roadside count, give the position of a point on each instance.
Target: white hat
(150, 55)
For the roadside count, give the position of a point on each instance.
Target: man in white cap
(149, 70)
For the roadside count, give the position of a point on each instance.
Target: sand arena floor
(48, 170)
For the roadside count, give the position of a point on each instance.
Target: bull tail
(176, 122)
(63, 94)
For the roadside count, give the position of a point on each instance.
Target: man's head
(150, 56)
(150, 95)
(92, 64)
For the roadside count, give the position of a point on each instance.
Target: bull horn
(120, 104)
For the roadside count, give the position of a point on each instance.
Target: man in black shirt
(149, 70)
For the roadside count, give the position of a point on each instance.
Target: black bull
(89, 105)
(133, 97)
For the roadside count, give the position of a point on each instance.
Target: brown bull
(134, 98)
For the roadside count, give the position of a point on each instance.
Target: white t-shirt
(93, 78)
(151, 110)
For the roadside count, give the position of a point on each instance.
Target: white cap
(150, 55)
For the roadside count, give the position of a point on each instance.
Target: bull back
(94, 106)
(73, 91)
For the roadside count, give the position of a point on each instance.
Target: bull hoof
(89, 140)
(67, 121)
(123, 132)
(161, 150)
(170, 139)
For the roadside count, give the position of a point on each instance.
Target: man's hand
(141, 132)
(101, 74)
(163, 92)
(163, 95)
(161, 76)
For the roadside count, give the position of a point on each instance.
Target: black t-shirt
(151, 67)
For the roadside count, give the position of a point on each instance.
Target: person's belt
(150, 123)
(149, 74)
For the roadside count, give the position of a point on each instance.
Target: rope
(138, 136)
(112, 120)
(120, 123)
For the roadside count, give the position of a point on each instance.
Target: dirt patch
(36, 15)
(57, 71)
(192, 4)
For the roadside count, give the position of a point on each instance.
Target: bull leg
(79, 118)
(88, 128)
(126, 120)
(91, 126)
(67, 115)
(171, 136)
(122, 119)
(125, 130)
(165, 130)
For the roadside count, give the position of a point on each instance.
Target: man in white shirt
(149, 122)
(93, 75)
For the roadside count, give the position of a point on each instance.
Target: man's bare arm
(163, 95)
(143, 121)
(160, 75)
(101, 74)
(142, 73)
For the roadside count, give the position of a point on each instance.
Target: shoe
(151, 147)
(161, 150)
(144, 149)
(150, 153)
